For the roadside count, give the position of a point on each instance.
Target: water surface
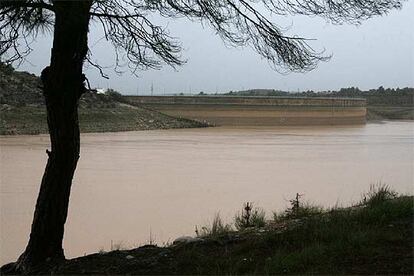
(133, 186)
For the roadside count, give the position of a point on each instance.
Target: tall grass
(374, 238)
(377, 194)
(217, 228)
(254, 217)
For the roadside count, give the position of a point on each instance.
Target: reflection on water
(165, 182)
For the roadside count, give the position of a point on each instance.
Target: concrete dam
(258, 111)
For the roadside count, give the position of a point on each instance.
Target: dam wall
(258, 111)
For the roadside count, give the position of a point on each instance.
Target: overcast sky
(379, 52)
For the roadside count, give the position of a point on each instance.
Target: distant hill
(23, 110)
(24, 89)
(19, 88)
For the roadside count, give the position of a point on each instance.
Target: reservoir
(131, 188)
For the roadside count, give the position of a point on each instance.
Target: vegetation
(249, 217)
(217, 228)
(375, 113)
(298, 210)
(378, 194)
(372, 237)
(375, 97)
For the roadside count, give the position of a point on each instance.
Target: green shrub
(298, 210)
(250, 217)
(115, 95)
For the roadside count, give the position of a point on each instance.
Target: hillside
(23, 111)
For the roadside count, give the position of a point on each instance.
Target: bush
(250, 217)
(298, 210)
(115, 95)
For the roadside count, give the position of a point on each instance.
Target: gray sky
(379, 52)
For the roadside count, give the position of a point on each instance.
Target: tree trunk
(63, 85)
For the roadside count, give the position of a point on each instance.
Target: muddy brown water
(133, 187)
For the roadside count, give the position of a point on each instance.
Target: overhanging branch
(25, 4)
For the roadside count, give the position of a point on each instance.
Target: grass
(390, 112)
(249, 218)
(377, 194)
(217, 228)
(375, 238)
(23, 120)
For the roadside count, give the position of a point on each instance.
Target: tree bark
(63, 85)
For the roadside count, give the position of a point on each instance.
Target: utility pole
(152, 89)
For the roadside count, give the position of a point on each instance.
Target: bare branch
(335, 11)
(135, 38)
(241, 23)
(25, 4)
(142, 44)
(97, 66)
(20, 23)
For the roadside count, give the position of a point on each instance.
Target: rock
(186, 239)
(129, 257)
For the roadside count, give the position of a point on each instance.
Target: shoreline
(372, 236)
(46, 134)
(32, 121)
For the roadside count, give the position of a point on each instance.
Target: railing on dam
(255, 111)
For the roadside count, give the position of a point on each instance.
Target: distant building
(101, 90)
